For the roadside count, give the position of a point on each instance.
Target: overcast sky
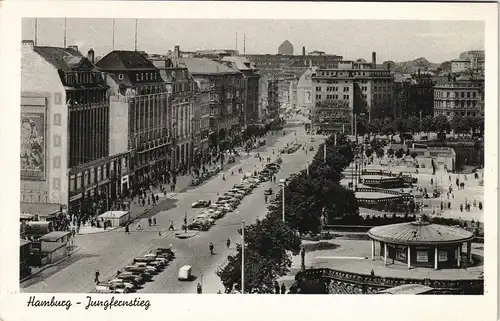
(437, 41)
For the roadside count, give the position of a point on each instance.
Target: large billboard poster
(33, 147)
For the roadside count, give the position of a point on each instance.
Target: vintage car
(200, 204)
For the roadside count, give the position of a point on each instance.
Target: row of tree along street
(412, 124)
(312, 198)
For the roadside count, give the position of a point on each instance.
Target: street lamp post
(282, 184)
(242, 257)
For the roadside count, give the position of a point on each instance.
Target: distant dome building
(286, 48)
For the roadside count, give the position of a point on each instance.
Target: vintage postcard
(248, 148)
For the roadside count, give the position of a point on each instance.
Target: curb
(49, 266)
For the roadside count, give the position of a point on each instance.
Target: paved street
(110, 251)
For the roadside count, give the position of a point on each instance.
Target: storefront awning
(40, 209)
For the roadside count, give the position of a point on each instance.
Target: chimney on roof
(419, 72)
(374, 60)
(177, 51)
(74, 47)
(303, 51)
(90, 55)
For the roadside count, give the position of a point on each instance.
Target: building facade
(182, 89)
(305, 91)
(273, 103)
(202, 115)
(226, 99)
(476, 58)
(462, 96)
(414, 95)
(354, 87)
(251, 78)
(65, 103)
(142, 117)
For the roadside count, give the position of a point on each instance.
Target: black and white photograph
(204, 155)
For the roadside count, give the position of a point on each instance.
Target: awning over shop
(44, 210)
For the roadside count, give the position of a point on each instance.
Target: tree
(390, 152)
(388, 126)
(426, 125)
(266, 258)
(341, 203)
(413, 124)
(375, 125)
(380, 152)
(368, 152)
(400, 152)
(401, 125)
(413, 155)
(441, 124)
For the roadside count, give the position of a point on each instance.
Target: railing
(378, 282)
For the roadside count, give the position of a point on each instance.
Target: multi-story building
(182, 89)
(352, 88)
(305, 91)
(66, 160)
(273, 104)
(226, 101)
(459, 96)
(476, 58)
(414, 95)
(263, 101)
(251, 78)
(202, 114)
(460, 65)
(141, 115)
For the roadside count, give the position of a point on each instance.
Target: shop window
(72, 183)
(79, 178)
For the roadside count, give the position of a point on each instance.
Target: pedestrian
(276, 287)
(127, 229)
(223, 177)
(157, 198)
(171, 227)
(480, 205)
(457, 182)
(283, 288)
(228, 243)
(432, 182)
(461, 207)
(143, 202)
(139, 227)
(449, 178)
(149, 221)
(154, 221)
(372, 273)
(96, 278)
(211, 248)
(265, 199)
(449, 205)
(198, 288)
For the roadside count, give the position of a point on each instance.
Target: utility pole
(113, 46)
(186, 223)
(242, 257)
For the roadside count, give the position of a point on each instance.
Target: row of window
(345, 97)
(456, 104)
(93, 175)
(454, 113)
(461, 94)
(81, 78)
(78, 98)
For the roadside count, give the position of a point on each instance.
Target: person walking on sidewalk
(228, 243)
(154, 221)
(149, 221)
(211, 248)
(96, 278)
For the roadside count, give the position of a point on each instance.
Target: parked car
(141, 271)
(167, 253)
(130, 277)
(200, 204)
(130, 286)
(143, 267)
(268, 191)
(195, 182)
(111, 288)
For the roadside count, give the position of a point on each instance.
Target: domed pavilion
(423, 244)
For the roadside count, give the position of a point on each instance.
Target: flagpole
(64, 33)
(36, 32)
(113, 48)
(135, 34)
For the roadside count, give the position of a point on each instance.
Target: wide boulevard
(110, 251)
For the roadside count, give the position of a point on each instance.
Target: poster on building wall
(33, 144)
(422, 256)
(443, 256)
